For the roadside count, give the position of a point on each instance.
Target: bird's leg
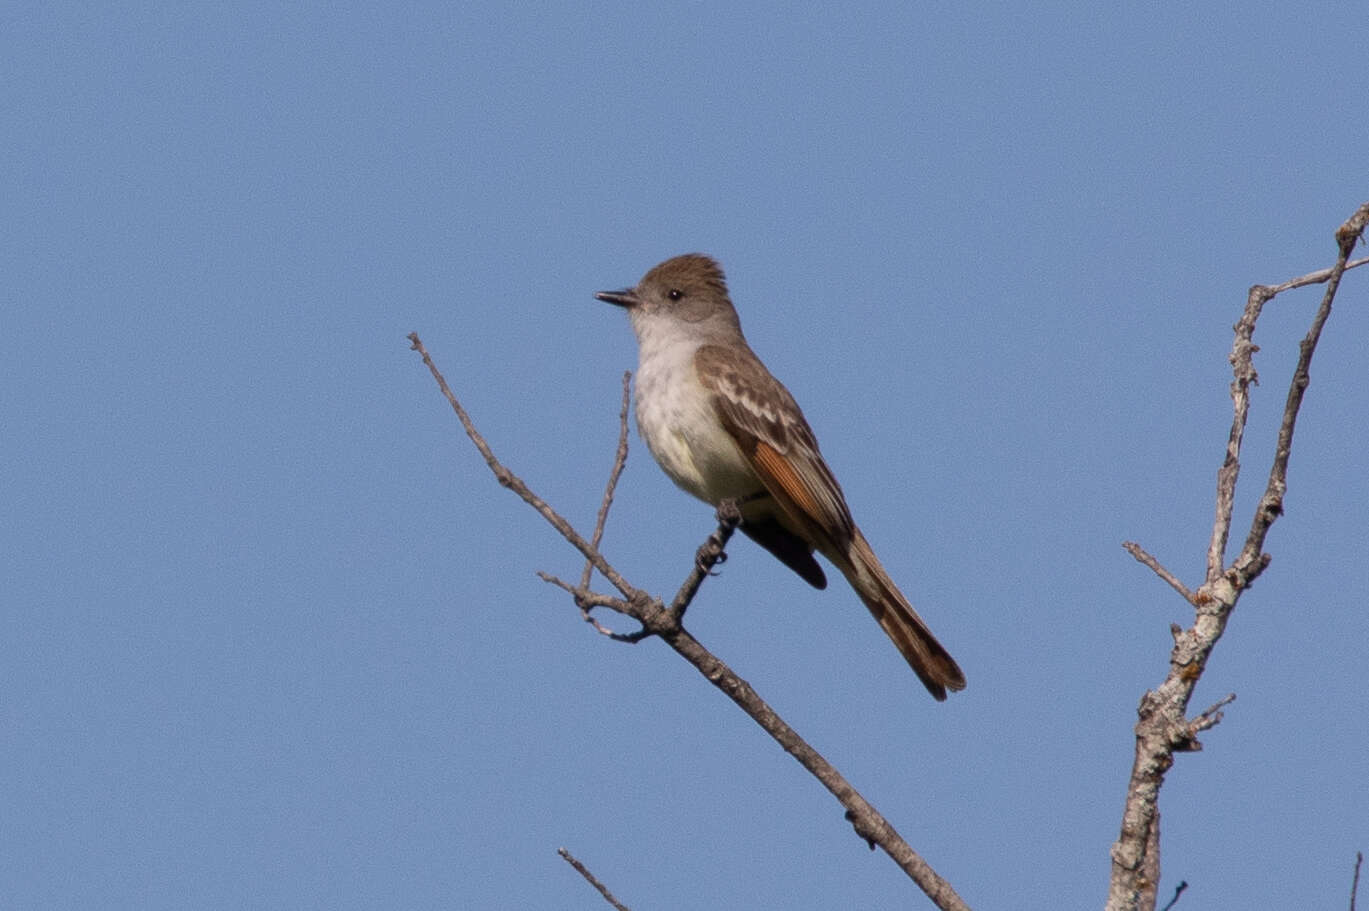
(729, 511)
(713, 551)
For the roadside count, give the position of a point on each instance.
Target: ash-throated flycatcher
(723, 429)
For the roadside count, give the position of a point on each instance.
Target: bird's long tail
(931, 662)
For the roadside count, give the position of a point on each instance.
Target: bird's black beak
(624, 298)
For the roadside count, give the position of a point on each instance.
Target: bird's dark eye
(674, 294)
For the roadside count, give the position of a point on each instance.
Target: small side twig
(1140, 554)
(587, 600)
(1178, 890)
(1271, 503)
(591, 879)
(619, 462)
(1354, 882)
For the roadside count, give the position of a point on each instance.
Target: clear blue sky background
(272, 636)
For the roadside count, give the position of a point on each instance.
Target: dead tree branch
(1164, 727)
(591, 879)
(1354, 881)
(619, 463)
(666, 622)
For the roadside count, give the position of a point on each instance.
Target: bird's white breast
(676, 417)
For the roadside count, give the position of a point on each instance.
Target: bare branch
(508, 479)
(1211, 716)
(1271, 504)
(711, 553)
(869, 824)
(665, 622)
(619, 461)
(1243, 367)
(587, 600)
(1354, 883)
(1178, 890)
(1162, 728)
(1321, 275)
(1140, 554)
(591, 879)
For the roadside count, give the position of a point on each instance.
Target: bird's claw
(707, 558)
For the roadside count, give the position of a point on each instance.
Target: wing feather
(777, 442)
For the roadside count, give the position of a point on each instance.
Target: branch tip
(1354, 882)
(1179, 890)
(591, 879)
(1146, 559)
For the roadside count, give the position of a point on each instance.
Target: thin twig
(1244, 376)
(1140, 554)
(587, 600)
(619, 462)
(1211, 716)
(1178, 890)
(508, 479)
(1316, 278)
(591, 879)
(1354, 883)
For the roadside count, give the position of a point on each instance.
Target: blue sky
(273, 637)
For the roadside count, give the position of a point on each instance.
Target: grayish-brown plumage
(722, 427)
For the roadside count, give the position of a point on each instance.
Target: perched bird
(723, 428)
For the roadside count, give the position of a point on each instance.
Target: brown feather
(778, 444)
(931, 662)
(787, 547)
(784, 482)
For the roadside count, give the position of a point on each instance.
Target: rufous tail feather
(931, 662)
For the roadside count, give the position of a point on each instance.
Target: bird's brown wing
(768, 426)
